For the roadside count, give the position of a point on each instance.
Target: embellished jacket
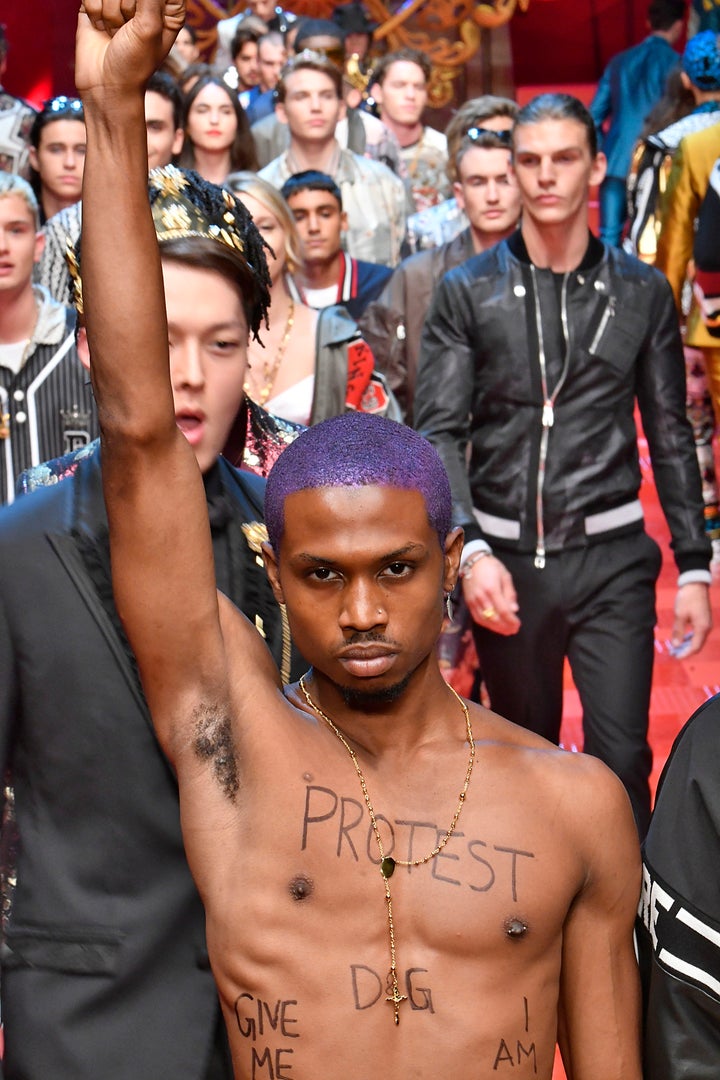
(47, 407)
(104, 962)
(688, 183)
(373, 197)
(648, 178)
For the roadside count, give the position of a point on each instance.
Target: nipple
(515, 928)
(301, 887)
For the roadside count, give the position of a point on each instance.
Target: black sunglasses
(475, 133)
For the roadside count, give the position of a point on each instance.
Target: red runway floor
(679, 686)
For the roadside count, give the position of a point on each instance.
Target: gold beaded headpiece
(177, 215)
(184, 205)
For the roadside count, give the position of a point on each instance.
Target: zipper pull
(548, 415)
(539, 560)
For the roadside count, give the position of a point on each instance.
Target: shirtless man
(515, 926)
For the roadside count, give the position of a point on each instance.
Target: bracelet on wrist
(466, 569)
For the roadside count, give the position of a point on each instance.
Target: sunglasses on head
(334, 53)
(63, 104)
(475, 133)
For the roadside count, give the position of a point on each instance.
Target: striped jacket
(47, 408)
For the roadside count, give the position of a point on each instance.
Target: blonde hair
(249, 183)
(10, 184)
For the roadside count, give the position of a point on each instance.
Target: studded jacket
(538, 374)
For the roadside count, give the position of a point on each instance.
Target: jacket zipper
(548, 412)
(608, 314)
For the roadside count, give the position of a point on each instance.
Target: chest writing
(338, 825)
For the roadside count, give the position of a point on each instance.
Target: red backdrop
(554, 42)
(571, 41)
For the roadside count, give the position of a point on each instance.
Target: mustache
(369, 637)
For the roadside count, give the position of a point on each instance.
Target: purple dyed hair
(359, 450)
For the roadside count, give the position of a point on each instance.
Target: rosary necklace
(270, 370)
(387, 862)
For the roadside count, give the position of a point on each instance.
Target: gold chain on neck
(387, 862)
(270, 370)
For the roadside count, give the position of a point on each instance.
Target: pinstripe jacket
(47, 407)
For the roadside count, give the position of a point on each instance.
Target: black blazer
(104, 966)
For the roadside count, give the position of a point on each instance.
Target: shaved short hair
(359, 450)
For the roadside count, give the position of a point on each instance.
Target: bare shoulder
(306, 320)
(584, 794)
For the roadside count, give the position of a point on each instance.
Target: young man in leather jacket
(534, 354)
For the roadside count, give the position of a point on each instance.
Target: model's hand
(120, 43)
(693, 619)
(490, 596)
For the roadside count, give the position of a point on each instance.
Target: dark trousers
(220, 1064)
(595, 605)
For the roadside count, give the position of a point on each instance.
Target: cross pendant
(395, 999)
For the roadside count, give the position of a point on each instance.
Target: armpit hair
(213, 743)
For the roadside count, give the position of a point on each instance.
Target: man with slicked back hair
(534, 355)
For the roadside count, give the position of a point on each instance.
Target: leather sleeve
(681, 1027)
(678, 926)
(661, 397)
(444, 390)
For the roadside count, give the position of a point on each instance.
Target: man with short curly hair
(400, 87)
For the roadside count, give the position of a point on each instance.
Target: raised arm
(163, 573)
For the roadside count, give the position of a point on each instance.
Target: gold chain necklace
(270, 370)
(387, 862)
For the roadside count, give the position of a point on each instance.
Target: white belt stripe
(613, 519)
(497, 526)
(690, 970)
(605, 521)
(699, 926)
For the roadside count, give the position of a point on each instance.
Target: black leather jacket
(539, 373)
(678, 926)
(392, 324)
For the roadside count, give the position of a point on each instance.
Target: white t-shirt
(11, 356)
(321, 298)
(295, 403)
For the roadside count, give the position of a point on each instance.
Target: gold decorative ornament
(447, 31)
(490, 16)
(387, 862)
(175, 217)
(256, 534)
